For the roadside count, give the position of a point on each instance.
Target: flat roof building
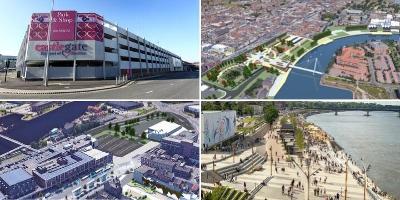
(125, 105)
(56, 171)
(193, 109)
(87, 46)
(182, 143)
(162, 129)
(16, 183)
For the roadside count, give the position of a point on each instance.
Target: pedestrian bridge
(307, 70)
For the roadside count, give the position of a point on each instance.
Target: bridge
(367, 110)
(307, 70)
(19, 143)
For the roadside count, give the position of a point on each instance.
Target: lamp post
(308, 176)
(46, 63)
(345, 181)
(7, 66)
(365, 169)
(271, 158)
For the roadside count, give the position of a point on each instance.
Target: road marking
(149, 92)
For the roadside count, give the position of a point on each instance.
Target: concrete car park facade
(87, 46)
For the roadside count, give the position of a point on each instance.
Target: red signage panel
(63, 25)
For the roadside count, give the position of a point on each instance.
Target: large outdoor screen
(217, 127)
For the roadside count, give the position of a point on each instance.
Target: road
(179, 85)
(177, 109)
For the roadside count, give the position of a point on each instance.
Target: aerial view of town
(99, 150)
(300, 150)
(317, 49)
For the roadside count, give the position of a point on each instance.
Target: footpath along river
(376, 139)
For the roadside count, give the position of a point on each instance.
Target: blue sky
(173, 24)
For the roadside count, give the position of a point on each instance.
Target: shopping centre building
(87, 46)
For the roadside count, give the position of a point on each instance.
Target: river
(375, 138)
(305, 85)
(29, 131)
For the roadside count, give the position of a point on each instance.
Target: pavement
(177, 85)
(334, 184)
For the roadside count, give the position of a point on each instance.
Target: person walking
(283, 189)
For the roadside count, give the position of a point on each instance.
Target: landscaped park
(264, 70)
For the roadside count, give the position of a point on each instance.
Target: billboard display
(39, 27)
(62, 25)
(217, 127)
(90, 27)
(72, 35)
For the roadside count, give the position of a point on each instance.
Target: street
(179, 85)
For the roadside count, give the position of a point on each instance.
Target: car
(59, 190)
(47, 195)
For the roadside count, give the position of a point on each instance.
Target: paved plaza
(284, 172)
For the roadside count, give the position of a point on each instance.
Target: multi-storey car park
(87, 46)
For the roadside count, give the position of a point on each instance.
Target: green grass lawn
(338, 35)
(263, 75)
(375, 91)
(335, 28)
(306, 45)
(145, 188)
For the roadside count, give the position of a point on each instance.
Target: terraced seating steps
(244, 167)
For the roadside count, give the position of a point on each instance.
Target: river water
(33, 130)
(376, 139)
(305, 85)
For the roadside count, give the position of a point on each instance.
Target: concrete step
(232, 168)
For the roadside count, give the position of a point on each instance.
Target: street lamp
(6, 68)
(271, 158)
(308, 176)
(365, 169)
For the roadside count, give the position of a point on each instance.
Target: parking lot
(117, 146)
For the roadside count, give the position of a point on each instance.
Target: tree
(143, 136)
(224, 83)
(299, 139)
(270, 114)
(283, 41)
(117, 128)
(279, 49)
(132, 132)
(123, 133)
(300, 52)
(292, 58)
(246, 72)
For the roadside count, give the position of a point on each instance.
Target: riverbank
(342, 156)
(323, 52)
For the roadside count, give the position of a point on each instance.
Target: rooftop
(164, 126)
(15, 176)
(72, 161)
(96, 154)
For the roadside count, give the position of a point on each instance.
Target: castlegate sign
(65, 50)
